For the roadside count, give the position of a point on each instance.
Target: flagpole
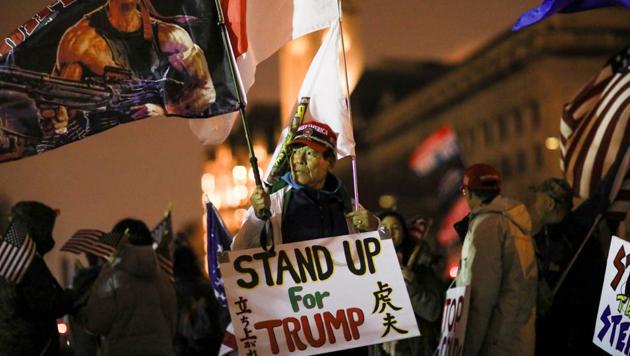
(577, 254)
(266, 214)
(355, 180)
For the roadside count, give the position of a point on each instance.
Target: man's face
(548, 209)
(309, 167)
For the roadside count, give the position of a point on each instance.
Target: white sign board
(317, 296)
(612, 326)
(454, 320)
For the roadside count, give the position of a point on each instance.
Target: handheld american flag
(87, 241)
(17, 250)
(163, 237)
(596, 135)
(218, 241)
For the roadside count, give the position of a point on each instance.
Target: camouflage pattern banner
(79, 67)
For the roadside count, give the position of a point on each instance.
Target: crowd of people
(126, 305)
(512, 259)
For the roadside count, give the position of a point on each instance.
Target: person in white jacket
(309, 202)
(498, 263)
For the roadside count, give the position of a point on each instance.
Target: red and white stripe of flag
(595, 134)
(17, 250)
(229, 341)
(88, 241)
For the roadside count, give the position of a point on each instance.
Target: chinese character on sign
(382, 298)
(242, 306)
(249, 341)
(389, 322)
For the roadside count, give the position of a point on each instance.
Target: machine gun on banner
(108, 94)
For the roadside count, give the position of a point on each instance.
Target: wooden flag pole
(355, 181)
(577, 254)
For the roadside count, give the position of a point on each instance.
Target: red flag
(235, 13)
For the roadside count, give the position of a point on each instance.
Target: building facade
(504, 103)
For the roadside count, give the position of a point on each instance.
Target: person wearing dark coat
(558, 233)
(201, 321)
(83, 342)
(30, 309)
(132, 303)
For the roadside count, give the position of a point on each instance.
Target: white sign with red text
(317, 296)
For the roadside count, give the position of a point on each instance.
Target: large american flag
(17, 250)
(163, 238)
(596, 135)
(87, 241)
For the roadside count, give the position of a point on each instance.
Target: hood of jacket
(139, 261)
(513, 210)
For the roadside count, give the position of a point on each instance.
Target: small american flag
(163, 237)
(87, 241)
(595, 133)
(228, 344)
(218, 241)
(17, 250)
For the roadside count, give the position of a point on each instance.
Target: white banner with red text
(317, 296)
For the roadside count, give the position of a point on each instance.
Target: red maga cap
(481, 176)
(317, 136)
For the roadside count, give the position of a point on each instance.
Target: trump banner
(612, 325)
(79, 67)
(317, 296)
(454, 320)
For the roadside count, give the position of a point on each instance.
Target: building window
(471, 137)
(518, 121)
(534, 114)
(487, 133)
(506, 167)
(521, 162)
(539, 158)
(503, 129)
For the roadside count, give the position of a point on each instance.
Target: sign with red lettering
(454, 320)
(612, 325)
(317, 296)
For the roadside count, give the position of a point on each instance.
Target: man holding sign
(309, 202)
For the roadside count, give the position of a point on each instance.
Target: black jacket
(29, 312)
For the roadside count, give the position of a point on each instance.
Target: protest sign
(454, 320)
(613, 316)
(317, 296)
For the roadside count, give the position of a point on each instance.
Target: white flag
(329, 101)
(270, 24)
